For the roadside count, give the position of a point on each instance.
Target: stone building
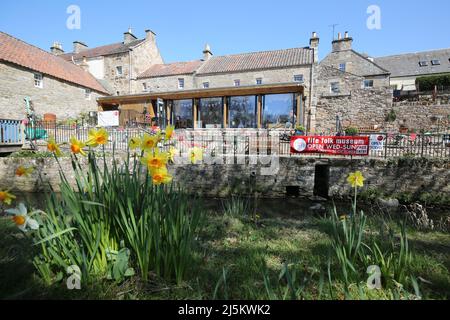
(405, 68)
(116, 65)
(349, 90)
(50, 83)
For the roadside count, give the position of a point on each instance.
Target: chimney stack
(85, 65)
(150, 35)
(129, 36)
(314, 44)
(344, 44)
(207, 54)
(79, 46)
(56, 49)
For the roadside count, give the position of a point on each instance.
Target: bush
(351, 131)
(429, 82)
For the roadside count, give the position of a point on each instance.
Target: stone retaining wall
(391, 176)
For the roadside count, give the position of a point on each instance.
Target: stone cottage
(116, 65)
(50, 83)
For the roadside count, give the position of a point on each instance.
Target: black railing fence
(243, 142)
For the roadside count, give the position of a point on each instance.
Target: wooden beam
(259, 111)
(206, 93)
(194, 107)
(225, 112)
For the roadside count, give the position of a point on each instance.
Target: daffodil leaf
(53, 236)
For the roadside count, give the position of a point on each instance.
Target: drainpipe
(130, 76)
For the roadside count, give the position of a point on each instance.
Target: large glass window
(278, 111)
(242, 112)
(182, 114)
(210, 113)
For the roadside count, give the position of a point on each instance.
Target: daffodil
(134, 143)
(6, 197)
(172, 153)
(196, 154)
(356, 179)
(161, 176)
(155, 160)
(148, 142)
(76, 146)
(169, 132)
(21, 218)
(22, 171)
(97, 137)
(53, 147)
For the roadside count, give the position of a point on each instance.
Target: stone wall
(220, 180)
(421, 116)
(121, 84)
(62, 98)
(354, 105)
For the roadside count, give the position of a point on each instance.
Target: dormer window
(423, 63)
(435, 62)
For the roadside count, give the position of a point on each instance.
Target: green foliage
(428, 83)
(237, 207)
(351, 131)
(119, 267)
(391, 116)
(111, 203)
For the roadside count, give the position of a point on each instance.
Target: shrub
(429, 82)
(351, 131)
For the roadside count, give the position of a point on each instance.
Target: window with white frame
(119, 71)
(237, 83)
(38, 80)
(181, 83)
(87, 94)
(342, 67)
(335, 87)
(368, 84)
(259, 81)
(298, 78)
(205, 85)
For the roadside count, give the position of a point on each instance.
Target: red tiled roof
(101, 51)
(171, 69)
(21, 53)
(258, 61)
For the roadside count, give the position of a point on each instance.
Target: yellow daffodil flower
(76, 146)
(148, 142)
(155, 160)
(134, 143)
(356, 179)
(21, 218)
(6, 197)
(97, 137)
(169, 132)
(196, 154)
(22, 171)
(172, 153)
(53, 147)
(161, 176)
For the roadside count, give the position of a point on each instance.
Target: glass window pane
(278, 111)
(211, 113)
(242, 112)
(182, 114)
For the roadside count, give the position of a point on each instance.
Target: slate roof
(235, 63)
(20, 53)
(408, 64)
(171, 69)
(109, 49)
(258, 61)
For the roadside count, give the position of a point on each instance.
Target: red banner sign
(349, 146)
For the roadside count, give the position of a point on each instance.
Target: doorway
(322, 180)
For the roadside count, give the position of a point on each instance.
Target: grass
(238, 259)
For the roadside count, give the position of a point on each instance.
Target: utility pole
(334, 29)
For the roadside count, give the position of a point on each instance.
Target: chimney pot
(57, 49)
(339, 36)
(207, 54)
(346, 35)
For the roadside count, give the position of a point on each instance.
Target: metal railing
(243, 142)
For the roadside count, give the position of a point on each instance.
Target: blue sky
(232, 26)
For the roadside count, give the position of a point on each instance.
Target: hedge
(429, 82)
